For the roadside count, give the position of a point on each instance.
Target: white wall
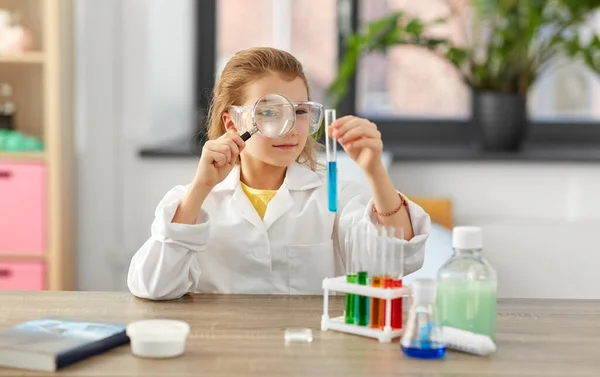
(134, 84)
(96, 121)
(540, 220)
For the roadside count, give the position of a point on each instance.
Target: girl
(255, 218)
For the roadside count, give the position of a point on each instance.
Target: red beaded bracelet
(402, 203)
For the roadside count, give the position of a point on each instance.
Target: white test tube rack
(339, 284)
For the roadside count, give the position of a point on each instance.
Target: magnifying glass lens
(274, 116)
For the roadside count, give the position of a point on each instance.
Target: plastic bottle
(422, 337)
(467, 286)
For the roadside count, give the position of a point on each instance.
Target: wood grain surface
(244, 336)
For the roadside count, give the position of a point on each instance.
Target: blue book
(48, 344)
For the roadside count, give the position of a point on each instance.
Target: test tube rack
(339, 284)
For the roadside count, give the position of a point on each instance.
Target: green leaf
(415, 27)
(457, 56)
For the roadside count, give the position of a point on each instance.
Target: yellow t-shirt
(259, 198)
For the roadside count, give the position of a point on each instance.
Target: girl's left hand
(361, 140)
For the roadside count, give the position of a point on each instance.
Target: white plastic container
(158, 338)
(466, 341)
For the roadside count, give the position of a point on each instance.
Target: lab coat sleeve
(165, 267)
(356, 206)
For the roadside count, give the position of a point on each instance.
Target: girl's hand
(218, 159)
(361, 140)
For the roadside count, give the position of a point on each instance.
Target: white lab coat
(231, 250)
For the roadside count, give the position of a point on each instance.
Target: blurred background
(491, 113)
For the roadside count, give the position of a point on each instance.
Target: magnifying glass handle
(246, 135)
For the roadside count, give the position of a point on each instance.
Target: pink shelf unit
(22, 276)
(22, 208)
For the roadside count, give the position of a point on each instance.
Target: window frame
(423, 131)
(397, 131)
(205, 54)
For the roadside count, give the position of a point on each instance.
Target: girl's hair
(245, 67)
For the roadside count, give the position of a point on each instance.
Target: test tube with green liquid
(361, 312)
(349, 315)
(362, 276)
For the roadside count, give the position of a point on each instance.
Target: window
(414, 97)
(571, 92)
(417, 97)
(305, 28)
(411, 82)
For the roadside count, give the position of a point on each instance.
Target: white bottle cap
(467, 237)
(423, 291)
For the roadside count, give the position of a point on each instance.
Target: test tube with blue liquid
(331, 147)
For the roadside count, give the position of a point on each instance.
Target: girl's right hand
(218, 159)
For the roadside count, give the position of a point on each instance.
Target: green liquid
(350, 297)
(469, 306)
(361, 314)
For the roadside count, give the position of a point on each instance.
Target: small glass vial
(422, 337)
(351, 264)
(467, 286)
(331, 149)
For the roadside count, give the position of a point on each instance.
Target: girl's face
(277, 152)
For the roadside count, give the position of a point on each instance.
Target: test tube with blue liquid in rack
(331, 147)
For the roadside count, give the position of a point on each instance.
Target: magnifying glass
(273, 115)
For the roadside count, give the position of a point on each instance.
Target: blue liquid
(356, 310)
(424, 350)
(332, 185)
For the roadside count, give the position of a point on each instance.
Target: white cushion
(438, 250)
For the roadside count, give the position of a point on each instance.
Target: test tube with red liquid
(394, 266)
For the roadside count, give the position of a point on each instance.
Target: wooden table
(243, 336)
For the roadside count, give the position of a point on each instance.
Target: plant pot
(501, 120)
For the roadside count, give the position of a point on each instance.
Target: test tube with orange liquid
(378, 246)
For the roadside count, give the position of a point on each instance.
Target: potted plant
(513, 43)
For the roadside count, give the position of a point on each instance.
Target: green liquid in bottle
(469, 306)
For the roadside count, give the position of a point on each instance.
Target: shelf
(22, 257)
(22, 156)
(25, 58)
(339, 284)
(338, 324)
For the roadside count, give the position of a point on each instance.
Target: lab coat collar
(298, 177)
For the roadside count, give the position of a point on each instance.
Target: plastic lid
(298, 335)
(467, 237)
(158, 328)
(423, 291)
